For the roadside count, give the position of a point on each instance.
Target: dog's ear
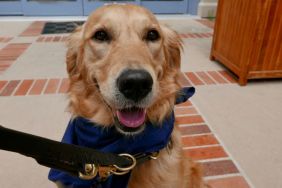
(74, 53)
(173, 47)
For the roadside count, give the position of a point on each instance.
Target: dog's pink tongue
(131, 118)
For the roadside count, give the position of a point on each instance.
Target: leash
(82, 162)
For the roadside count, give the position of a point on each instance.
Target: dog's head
(123, 68)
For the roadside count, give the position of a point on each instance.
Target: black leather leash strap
(53, 154)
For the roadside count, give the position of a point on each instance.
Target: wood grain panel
(247, 38)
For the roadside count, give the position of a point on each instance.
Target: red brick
(40, 39)
(64, 38)
(5, 39)
(205, 78)
(37, 87)
(198, 35)
(182, 35)
(5, 63)
(210, 34)
(4, 67)
(48, 39)
(10, 87)
(11, 52)
(187, 35)
(14, 50)
(206, 22)
(183, 81)
(52, 86)
(205, 35)
(56, 38)
(187, 103)
(194, 129)
(194, 79)
(217, 77)
(34, 29)
(24, 87)
(64, 86)
(192, 35)
(205, 153)
(216, 168)
(189, 119)
(228, 76)
(229, 182)
(19, 45)
(2, 84)
(201, 140)
(182, 111)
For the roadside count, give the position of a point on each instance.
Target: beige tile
(13, 28)
(196, 56)
(41, 115)
(40, 60)
(248, 121)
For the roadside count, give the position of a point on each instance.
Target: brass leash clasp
(124, 170)
(91, 170)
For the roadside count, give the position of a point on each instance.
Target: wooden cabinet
(248, 38)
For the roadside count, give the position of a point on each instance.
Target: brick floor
(10, 53)
(5, 39)
(206, 78)
(51, 39)
(38, 87)
(201, 144)
(195, 35)
(23, 88)
(10, 87)
(52, 86)
(191, 79)
(199, 141)
(229, 182)
(63, 88)
(217, 77)
(34, 29)
(206, 22)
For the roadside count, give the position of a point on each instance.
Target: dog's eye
(152, 35)
(101, 36)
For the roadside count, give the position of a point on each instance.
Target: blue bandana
(81, 131)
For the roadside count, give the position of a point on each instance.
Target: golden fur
(91, 64)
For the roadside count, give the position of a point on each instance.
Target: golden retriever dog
(123, 63)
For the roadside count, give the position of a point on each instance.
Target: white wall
(207, 8)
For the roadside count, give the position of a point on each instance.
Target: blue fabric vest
(81, 131)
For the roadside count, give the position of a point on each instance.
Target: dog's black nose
(135, 84)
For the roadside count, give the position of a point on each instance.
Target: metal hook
(123, 170)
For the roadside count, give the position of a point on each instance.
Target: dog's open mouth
(131, 119)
